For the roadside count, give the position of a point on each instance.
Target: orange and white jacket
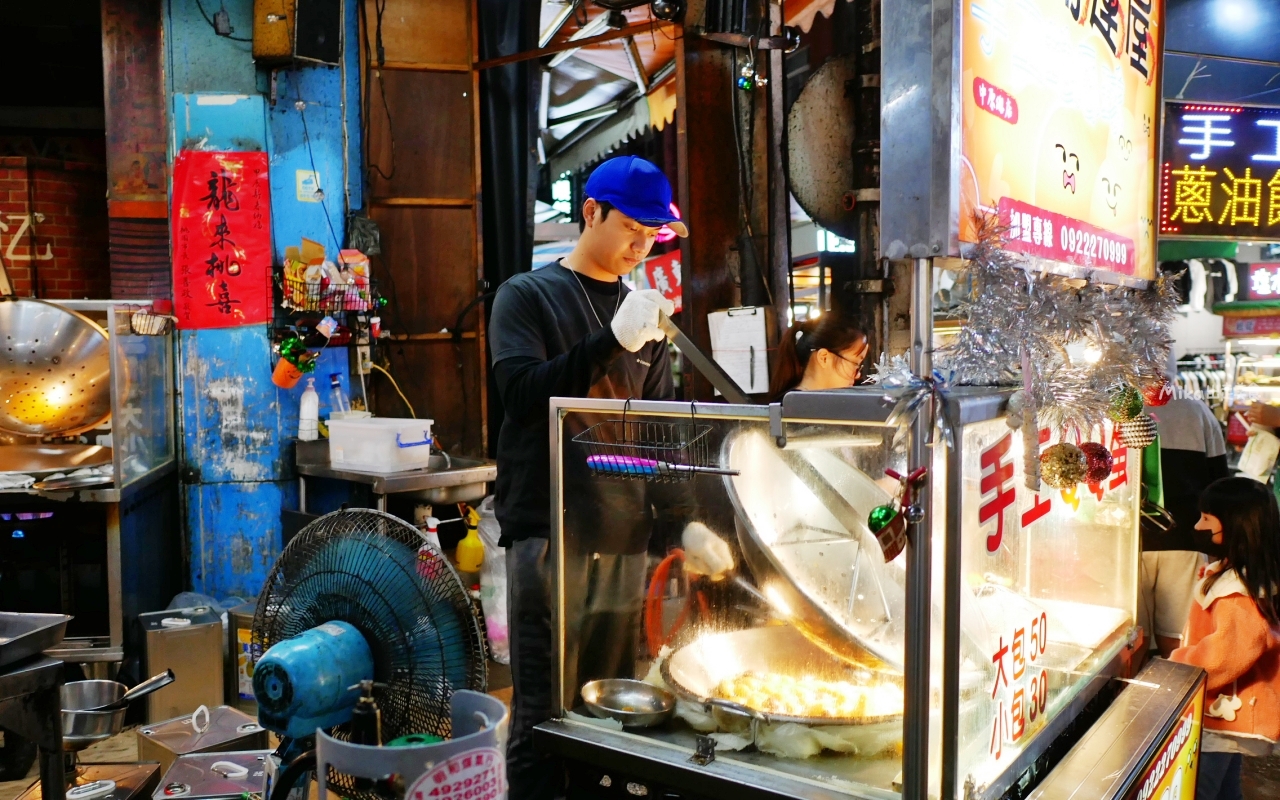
(1228, 637)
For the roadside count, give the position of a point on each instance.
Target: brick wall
(70, 228)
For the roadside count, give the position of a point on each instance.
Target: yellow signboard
(1171, 774)
(1060, 127)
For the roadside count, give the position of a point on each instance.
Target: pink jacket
(1232, 641)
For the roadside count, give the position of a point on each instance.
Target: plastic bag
(493, 584)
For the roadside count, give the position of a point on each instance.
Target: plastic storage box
(379, 444)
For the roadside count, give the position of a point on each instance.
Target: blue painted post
(236, 425)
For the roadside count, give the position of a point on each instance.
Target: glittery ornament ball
(1017, 402)
(1126, 404)
(1063, 465)
(881, 516)
(1158, 393)
(1098, 462)
(1138, 432)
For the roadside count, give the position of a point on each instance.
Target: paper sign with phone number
(1042, 233)
(478, 774)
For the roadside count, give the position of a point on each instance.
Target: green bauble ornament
(889, 525)
(1063, 465)
(1126, 403)
(881, 516)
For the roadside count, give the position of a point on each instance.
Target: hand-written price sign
(1220, 172)
(222, 239)
(478, 774)
(1021, 689)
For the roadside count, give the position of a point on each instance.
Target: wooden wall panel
(444, 381)
(428, 212)
(431, 255)
(425, 31)
(432, 122)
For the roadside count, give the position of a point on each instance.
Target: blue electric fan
(360, 595)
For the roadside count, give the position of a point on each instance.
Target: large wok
(695, 670)
(55, 370)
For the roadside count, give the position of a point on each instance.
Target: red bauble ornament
(1157, 394)
(1098, 462)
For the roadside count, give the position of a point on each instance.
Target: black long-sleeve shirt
(1192, 456)
(550, 337)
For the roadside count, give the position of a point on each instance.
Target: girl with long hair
(1234, 632)
(822, 353)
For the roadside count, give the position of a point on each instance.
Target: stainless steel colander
(55, 370)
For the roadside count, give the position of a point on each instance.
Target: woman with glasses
(823, 353)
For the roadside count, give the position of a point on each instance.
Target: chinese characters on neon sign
(1220, 175)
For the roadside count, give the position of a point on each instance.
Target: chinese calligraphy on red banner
(663, 274)
(222, 239)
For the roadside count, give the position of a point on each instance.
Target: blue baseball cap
(637, 188)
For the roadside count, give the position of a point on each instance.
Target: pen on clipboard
(752, 366)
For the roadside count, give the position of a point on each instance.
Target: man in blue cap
(573, 329)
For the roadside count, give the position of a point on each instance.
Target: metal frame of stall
(110, 649)
(726, 778)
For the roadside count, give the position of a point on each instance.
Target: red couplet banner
(221, 239)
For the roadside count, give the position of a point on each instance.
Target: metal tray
(45, 459)
(71, 482)
(24, 635)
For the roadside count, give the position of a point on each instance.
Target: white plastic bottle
(309, 413)
(338, 403)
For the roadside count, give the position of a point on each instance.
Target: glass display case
(142, 407)
(789, 665)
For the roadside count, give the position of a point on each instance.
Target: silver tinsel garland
(1011, 310)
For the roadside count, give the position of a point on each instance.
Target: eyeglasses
(857, 365)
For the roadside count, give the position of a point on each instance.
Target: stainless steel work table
(445, 480)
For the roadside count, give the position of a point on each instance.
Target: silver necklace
(587, 297)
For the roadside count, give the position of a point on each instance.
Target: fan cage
(362, 567)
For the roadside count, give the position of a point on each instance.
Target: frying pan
(55, 370)
(697, 669)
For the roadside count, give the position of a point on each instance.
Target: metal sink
(444, 480)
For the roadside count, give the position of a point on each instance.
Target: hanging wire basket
(302, 295)
(661, 452)
(146, 323)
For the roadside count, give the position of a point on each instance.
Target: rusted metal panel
(235, 534)
(236, 423)
(135, 106)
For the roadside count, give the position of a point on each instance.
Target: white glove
(705, 553)
(637, 319)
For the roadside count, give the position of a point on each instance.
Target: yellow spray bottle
(471, 548)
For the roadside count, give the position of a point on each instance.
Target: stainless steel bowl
(635, 704)
(55, 369)
(82, 728)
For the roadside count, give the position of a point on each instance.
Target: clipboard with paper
(739, 344)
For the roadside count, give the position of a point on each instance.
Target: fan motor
(326, 662)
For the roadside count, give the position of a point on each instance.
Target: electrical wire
(412, 413)
(301, 105)
(380, 7)
(209, 20)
